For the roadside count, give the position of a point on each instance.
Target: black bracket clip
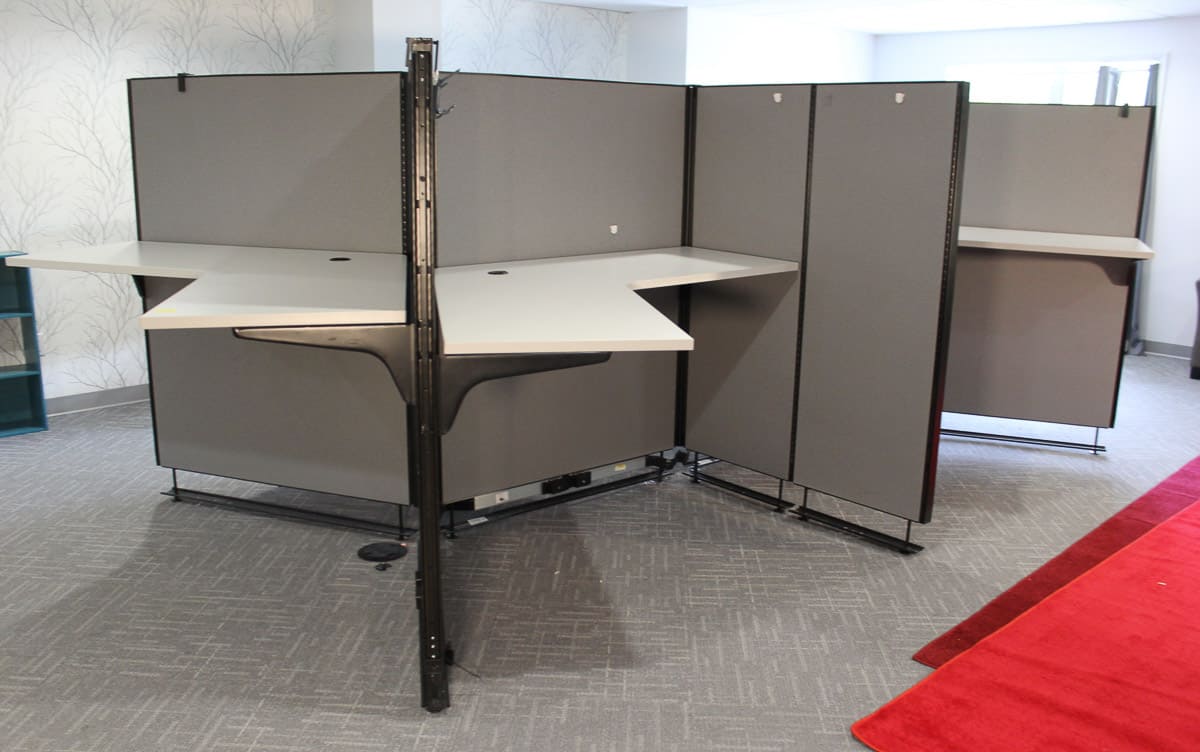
(180, 79)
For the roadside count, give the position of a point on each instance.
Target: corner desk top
(242, 286)
(578, 303)
(566, 304)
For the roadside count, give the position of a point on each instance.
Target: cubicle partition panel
(1039, 324)
(542, 167)
(1057, 168)
(287, 161)
(533, 168)
(878, 279)
(291, 416)
(751, 171)
(1030, 320)
(303, 161)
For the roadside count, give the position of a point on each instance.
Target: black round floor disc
(383, 551)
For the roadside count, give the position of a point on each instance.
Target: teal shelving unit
(22, 403)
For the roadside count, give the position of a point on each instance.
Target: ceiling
(912, 16)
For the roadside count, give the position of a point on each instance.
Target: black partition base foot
(903, 545)
(1095, 447)
(776, 503)
(807, 514)
(296, 514)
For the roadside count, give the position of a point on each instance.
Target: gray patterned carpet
(661, 617)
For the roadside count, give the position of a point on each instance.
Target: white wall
(353, 25)
(395, 21)
(541, 39)
(658, 44)
(728, 47)
(1169, 299)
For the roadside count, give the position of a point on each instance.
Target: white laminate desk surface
(1053, 242)
(242, 286)
(579, 303)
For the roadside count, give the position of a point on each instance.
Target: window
(1090, 82)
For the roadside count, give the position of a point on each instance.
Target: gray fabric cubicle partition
(878, 282)
(304, 161)
(290, 161)
(750, 182)
(1037, 336)
(291, 416)
(1040, 336)
(542, 167)
(535, 168)
(1056, 168)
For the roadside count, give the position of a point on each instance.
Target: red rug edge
(856, 727)
(1166, 499)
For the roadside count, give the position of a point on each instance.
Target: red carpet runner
(1158, 504)
(1109, 662)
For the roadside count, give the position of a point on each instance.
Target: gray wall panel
(873, 307)
(294, 416)
(1055, 168)
(534, 168)
(513, 431)
(305, 161)
(751, 167)
(741, 376)
(1037, 336)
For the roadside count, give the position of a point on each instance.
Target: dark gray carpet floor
(660, 617)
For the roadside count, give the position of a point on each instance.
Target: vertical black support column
(685, 239)
(424, 430)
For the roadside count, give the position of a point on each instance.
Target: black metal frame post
(424, 414)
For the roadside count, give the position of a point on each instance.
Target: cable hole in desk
(498, 272)
(340, 258)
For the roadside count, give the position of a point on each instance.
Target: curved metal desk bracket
(392, 344)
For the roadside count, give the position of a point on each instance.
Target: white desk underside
(579, 303)
(240, 286)
(1107, 246)
(572, 304)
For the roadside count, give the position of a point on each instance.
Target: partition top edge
(197, 76)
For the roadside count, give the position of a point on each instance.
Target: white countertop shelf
(243, 286)
(1031, 241)
(578, 303)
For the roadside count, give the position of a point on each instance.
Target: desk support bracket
(462, 373)
(390, 343)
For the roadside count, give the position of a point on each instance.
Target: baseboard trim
(1166, 348)
(73, 403)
